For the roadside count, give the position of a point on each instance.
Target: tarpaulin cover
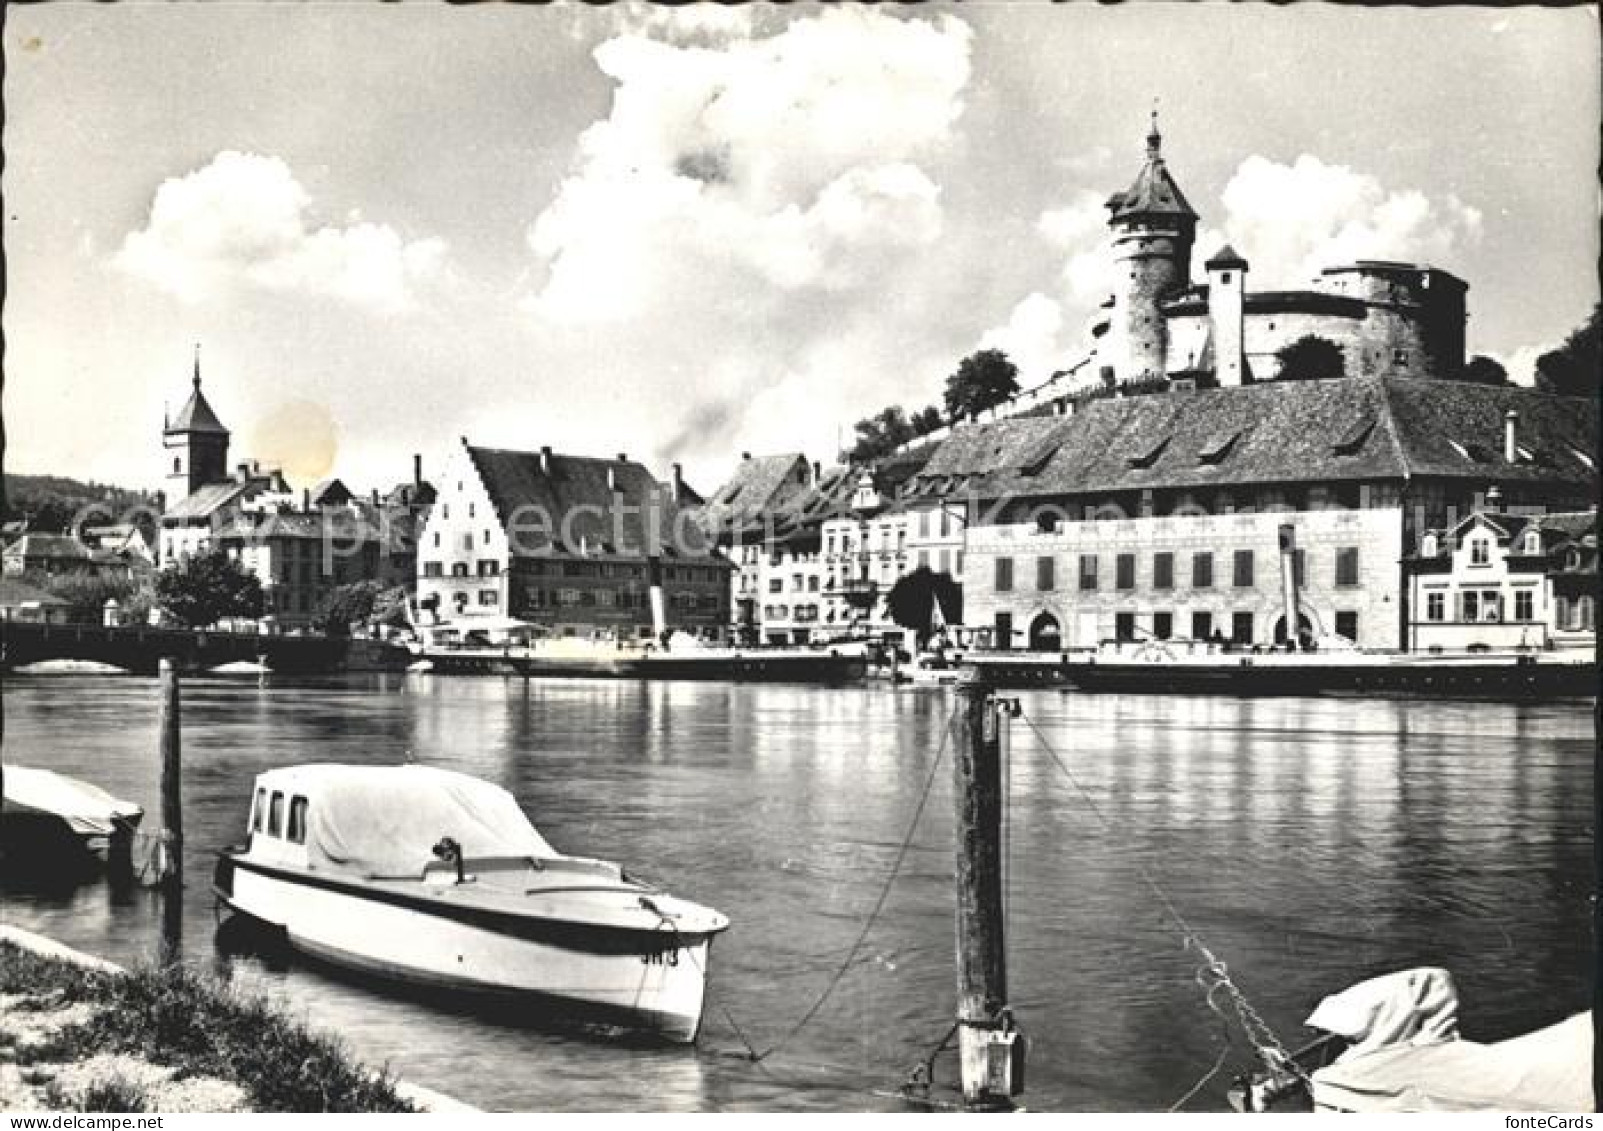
(86, 809)
(1408, 1055)
(384, 821)
(1416, 1007)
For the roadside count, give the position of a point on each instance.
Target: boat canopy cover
(87, 810)
(1407, 1054)
(384, 821)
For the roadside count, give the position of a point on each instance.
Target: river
(1311, 842)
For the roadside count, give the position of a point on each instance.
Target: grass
(181, 1019)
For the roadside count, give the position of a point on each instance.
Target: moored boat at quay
(511, 649)
(437, 880)
(1529, 675)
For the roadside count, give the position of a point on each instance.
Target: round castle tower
(1153, 228)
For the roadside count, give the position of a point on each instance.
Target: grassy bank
(149, 1035)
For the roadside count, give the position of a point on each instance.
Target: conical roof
(196, 415)
(1154, 192)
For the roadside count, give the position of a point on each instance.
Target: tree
(982, 380)
(1572, 369)
(1483, 370)
(348, 605)
(911, 601)
(881, 434)
(206, 588)
(1311, 358)
(926, 420)
(86, 594)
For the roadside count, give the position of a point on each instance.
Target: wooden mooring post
(990, 1049)
(170, 845)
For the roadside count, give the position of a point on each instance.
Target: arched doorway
(1045, 634)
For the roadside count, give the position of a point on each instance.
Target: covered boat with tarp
(1393, 1044)
(56, 823)
(438, 879)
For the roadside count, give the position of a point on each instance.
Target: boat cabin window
(297, 820)
(275, 815)
(258, 816)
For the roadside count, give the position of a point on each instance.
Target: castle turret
(1227, 286)
(1152, 232)
(196, 444)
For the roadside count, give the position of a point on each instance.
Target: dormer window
(1533, 542)
(1353, 439)
(1148, 456)
(1219, 447)
(1429, 547)
(1480, 551)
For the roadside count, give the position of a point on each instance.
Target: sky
(685, 234)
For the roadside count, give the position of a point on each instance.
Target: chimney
(818, 473)
(745, 455)
(1494, 497)
(545, 461)
(678, 482)
(623, 457)
(375, 496)
(1511, 448)
(242, 473)
(255, 467)
(417, 469)
(306, 499)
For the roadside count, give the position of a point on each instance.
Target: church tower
(196, 443)
(1152, 232)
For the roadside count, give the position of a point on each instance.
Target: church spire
(1154, 138)
(197, 367)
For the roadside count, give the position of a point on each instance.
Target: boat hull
(753, 666)
(1252, 675)
(550, 972)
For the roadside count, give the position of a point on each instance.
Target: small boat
(934, 669)
(437, 879)
(1392, 1044)
(61, 822)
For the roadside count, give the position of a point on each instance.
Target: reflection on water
(1312, 842)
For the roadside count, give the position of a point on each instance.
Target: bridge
(138, 648)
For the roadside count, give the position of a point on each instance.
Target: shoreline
(79, 1032)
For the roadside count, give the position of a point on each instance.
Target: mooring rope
(1213, 975)
(751, 1053)
(879, 904)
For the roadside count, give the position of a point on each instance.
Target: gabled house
(1497, 580)
(1161, 517)
(570, 543)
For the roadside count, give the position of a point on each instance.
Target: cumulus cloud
(753, 191)
(790, 160)
(1292, 220)
(244, 221)
(1032, 337)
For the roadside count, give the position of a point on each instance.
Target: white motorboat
(438, 879)
(52, 818)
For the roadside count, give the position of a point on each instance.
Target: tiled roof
(207, 501)
(343, 526)
(1226, 256)
(48, 546)
(758, 485)
(196, 415)
(575, 503)
(1153, 193)
(331, 492)
(14, 594)
(1306, 431)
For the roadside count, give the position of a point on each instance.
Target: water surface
(1311, 842)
